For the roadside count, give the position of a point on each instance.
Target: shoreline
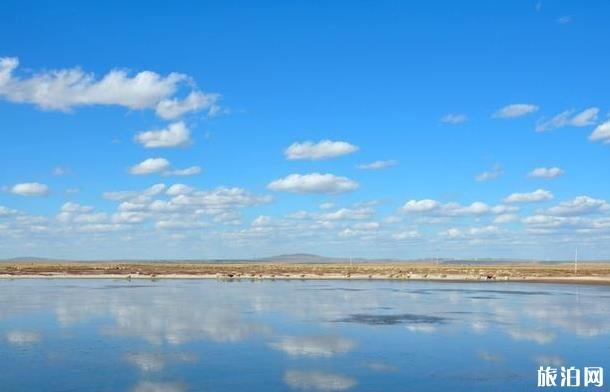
(590, 273)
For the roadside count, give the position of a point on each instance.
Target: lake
(327, 335)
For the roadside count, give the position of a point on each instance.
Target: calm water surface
(207, 335)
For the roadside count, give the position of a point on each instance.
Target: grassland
(593, 273)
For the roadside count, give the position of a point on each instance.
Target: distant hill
(28, 259)
(300, 258)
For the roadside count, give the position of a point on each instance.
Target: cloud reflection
(149, 386)
(318, 381)
(314, 346)
(23, 338)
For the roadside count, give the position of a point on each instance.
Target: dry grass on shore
(587, 273)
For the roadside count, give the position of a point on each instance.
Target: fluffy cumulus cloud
(515, 110)
(324, 149)
(433, 207)
(570, 117)
(424, 205)
(484, 232)
(454, 118)
(4, 211)
(175, 135)
(173, 209)
(150, 166)
(196, 218)
(195, 101)
(313, 183)
(162, 166)
(545, 172)
(529, 197)
(353, 213)
(179, 189)
(377, 165)
(31, 189)
(505, 218)
(581, 205)
(65, 89)
(601, 133)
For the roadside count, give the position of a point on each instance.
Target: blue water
(207, 335)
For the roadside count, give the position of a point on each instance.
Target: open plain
(591, 273)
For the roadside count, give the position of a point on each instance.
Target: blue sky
(485, 123)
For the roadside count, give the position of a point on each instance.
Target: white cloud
(545, 172)
(4, 211)
(377, 165)
(406, 235)
(424, 205)
(189, 171)
(580, 205)
(476, 208)
(327, 206)
(454, 118)
(179, 189)
(175, 135)
(150, 166)
(601, 133)
(433, 207)
(161, 166)
(64, 89)
(495, 172)
(564, 20)
(261, 221)
(74, 207)
(313, 183)
(515, 110)
(452, 232)
(484, 231)
(361, 212)
(30, 189)
(173, 108)
(472, 232)
(569, 118)
(220, 198)
(505, 218)
(535, 196)
(366, 226)
(324, 149)
(318, 381)
(585, 118)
